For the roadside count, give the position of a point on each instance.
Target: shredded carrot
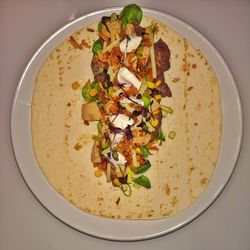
(104, 34)
(113, 109)
(126, 112)
(154, 148)
(115, 57)
(139, 159)
(116, 98)
(150, 73)
(104, 57)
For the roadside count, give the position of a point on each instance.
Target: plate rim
(239, 106)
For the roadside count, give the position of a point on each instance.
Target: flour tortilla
(180, 171)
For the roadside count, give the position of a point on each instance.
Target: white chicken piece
(130, 43)
(116, 138)
(126, 101)
(121, 159)
(125, 76)
(121, 121)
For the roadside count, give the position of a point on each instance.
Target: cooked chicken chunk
(95, 154)
(91, 112)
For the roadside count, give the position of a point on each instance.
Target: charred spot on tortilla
(118, 201)
(176, 79)
(77, 146)
(190, 88)
(132, 73)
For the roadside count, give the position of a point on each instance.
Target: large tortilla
(180, 171)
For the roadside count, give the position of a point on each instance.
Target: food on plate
(128, 106)
(126, 118)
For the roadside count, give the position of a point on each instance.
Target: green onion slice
(167, 109)
(143, 181)
(143, 168)
(144, 151)
(146, 101)
(161, 136)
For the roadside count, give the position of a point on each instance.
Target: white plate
(122, 229)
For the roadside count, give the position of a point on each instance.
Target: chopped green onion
(143, 168)
(97, 138)
(85, 91)
(143, 181)
(150, 127)
(130, 175)
(146, 101)
(99, 127)
(111, 90)
(171, 135)
(115, 155)
(95, 85)
(122, 167)
(99, 27)
(137, 186)
(105, 151)
(161, 136)
(97, 46)
(99, 71)
(139, 51)
(104, 145)
(113, 17)
(144, 151)
(86, 94)
(167, 109)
